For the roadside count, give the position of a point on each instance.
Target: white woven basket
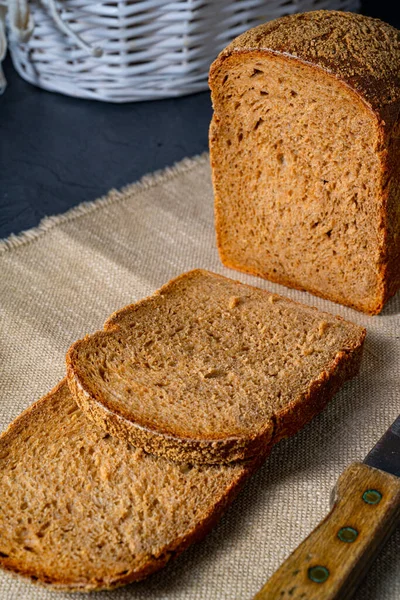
(150, 48)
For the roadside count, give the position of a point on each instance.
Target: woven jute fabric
(61, 281)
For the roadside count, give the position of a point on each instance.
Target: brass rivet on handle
(372, 496)
(318, 574)
(347, 534)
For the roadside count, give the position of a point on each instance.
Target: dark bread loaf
(210, 370)
(305, 154)
(80, 510)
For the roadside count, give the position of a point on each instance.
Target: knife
(331, 562)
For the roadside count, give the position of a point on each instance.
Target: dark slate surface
(56, 151)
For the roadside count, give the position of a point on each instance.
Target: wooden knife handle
(334, 558)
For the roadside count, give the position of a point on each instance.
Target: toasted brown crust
(284, 424)
(390, 214)
(364, 54)
(149, 563)
(158, 441)
(153, 564)
(205, 450)
(153, 441)
(361, 51)
(345, 366)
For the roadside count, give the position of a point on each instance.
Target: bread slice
(80, 510)
(209, 370)
(305, 155)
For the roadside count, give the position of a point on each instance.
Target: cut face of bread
(305, 193)
(210, 370)
(296, 178)
(81, 510)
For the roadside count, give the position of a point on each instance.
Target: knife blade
(385, 455)
(332, 561)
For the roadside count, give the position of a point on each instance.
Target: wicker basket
(127, 50)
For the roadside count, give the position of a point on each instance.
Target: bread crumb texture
(305, 155)
(82, 510)
(201, 369)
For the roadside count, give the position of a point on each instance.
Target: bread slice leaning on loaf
(81, 510)
(305, 155)
(209, 370)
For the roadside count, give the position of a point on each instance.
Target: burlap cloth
(63, 279)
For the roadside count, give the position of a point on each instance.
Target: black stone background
(56, 151)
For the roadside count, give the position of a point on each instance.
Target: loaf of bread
(209, 370)
(305, 155)
(80, 510)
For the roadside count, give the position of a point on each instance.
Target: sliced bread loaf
(80, 510)
(209, 370)
(305, 155)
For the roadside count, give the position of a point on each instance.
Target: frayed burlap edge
(113, 196)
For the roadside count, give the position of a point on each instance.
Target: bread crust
(362, 53)
(163, 443)
(284, 424)
(202, 450)
(150, 563)
(296, 416)
(158, 441)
